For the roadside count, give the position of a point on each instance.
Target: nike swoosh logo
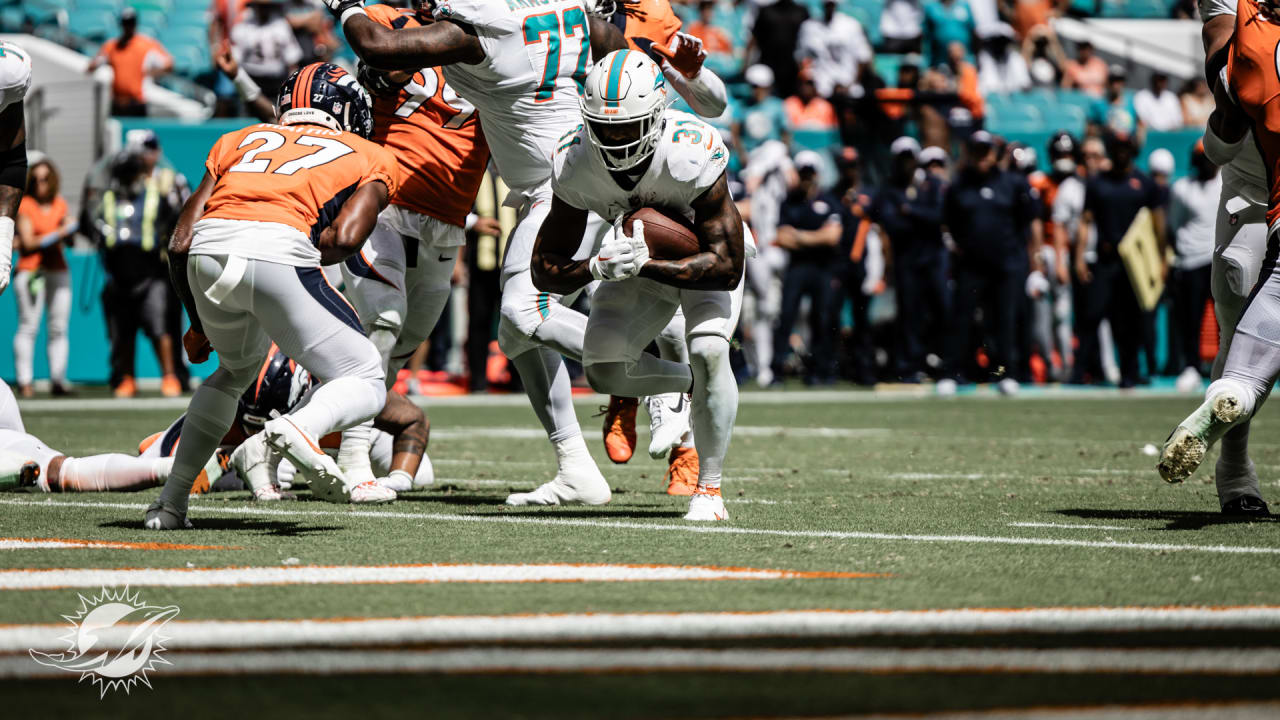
(679, 405)
(445, 259)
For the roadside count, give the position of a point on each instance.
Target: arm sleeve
(705, 93)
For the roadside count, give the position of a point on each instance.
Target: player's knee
(511, 340)
(708, 349)
(388, 319)
(606, 377)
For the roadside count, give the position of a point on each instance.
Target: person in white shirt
(1158, 107)
(902, 26)
(265, 46)
(838, 48)
(1193, 209)
(1001, 68)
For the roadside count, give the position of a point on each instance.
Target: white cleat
(1188, 381)
(371, 493)
(565, 489)
(320, 471)
(256, 464)
(1187, 444)
(668, 422)
(161, 516)
(395, 483)
(706, 507)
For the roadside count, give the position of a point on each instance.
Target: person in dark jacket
(992, 216)
(851, 275)
(908, 209)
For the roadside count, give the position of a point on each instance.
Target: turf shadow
(452, 499)
(590, 514)
(1176, 519)
(276, 528)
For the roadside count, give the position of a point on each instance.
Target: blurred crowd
(900, 239)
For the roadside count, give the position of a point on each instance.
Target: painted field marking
(1173, 661)
(13, 543)
(717, 529)
(1071, 526)
(753, 431)
(55, 578)
(797, 625)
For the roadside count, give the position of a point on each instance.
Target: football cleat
(256, 464)
(668, 421)
(162, 516)
(371, 493)
(565, 489)
(706, 505)
(620, 428)
(1187, 444)
(19, 471)
(682, 471)
(395, 483)
(1245, 506)
(322, 474)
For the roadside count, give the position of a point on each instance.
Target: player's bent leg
(313, 324)
(1239, 250)
(10, 417)
(107, 473)
(406, 427)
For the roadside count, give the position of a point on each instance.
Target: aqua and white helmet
(15, 74)
(622, 102)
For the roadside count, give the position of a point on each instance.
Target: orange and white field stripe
(53, 578)
(16, 543)
(798, 625)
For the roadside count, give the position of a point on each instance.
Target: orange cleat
(170, 387)
(620, 428)
(682, 472)
(127, 388)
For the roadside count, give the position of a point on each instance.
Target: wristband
(246, 87)
(346, 14)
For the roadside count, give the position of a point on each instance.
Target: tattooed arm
(553, 267)
(719, 229)
(441, 43)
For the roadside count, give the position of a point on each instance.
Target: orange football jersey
(1254, 76)
(295, 175)
(434, 134)
(647, 21)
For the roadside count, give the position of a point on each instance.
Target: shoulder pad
(1212, 8)
(696, 151)
(15, 74)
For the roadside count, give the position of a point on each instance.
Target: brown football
(667, 233)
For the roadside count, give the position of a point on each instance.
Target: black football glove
(338, 7)
(379, 82)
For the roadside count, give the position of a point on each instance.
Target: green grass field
(925, 504)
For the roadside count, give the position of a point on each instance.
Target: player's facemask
(622, 100)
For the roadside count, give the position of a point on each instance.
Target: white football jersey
(536, 57)
(689, 158)
(1246, 174)
(15, 74)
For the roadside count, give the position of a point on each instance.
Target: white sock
(546, 382)
(353, 453)
(112, 472)
(715, 405)
(571, 453)
(209, 416)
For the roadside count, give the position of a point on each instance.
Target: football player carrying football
(631, 152)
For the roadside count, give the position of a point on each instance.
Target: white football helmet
(622, 102)
(15, 74)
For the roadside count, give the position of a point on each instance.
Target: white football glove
(639, 248)
(6, 251)
(615, 261)
(343, 9)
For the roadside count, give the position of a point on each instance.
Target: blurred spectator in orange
(806, 110)
(1027, 15)
(1197, 103)
(1156, 106)
(902, 26)
(967, 85)
(714, 40)
(42, 282)
(836, 49)
(133, 57)
(265, 46)
(1087, 72)
(775, 34)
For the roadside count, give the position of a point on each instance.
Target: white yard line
(780, 431)
(1178, 661)
(714, 529)
(46, 579)
(1071, 526)
(517, 400)
(641, 627)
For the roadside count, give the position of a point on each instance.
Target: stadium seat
(190, 60)
(12, 18)
(111, 6)
(886, 66)
(44, 12)
(162, 6)
(1067, 117)
(1012, 117)
(822, 141)
(93, 25)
